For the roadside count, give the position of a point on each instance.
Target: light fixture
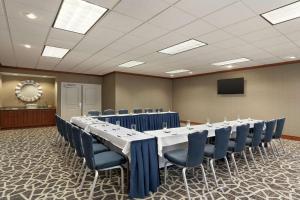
(181, 47)
(229, 66)
(172, 75)
(228, 62)
(291, 57)
(131, 63)
(28, 46)
(283, 14)
(31, 16)
(177, 71)
(54, 52)
(78, 16)
(190, 72)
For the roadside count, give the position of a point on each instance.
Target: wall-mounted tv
(231, 86)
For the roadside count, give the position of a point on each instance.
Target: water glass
(133, 128)
(106, 121)
(207, 121)
(118, 124)
(165, 125)
(188, 124)
(225, 119)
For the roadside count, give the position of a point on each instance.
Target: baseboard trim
(291, 137)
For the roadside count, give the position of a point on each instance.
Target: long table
(141, 149)
(145, 121)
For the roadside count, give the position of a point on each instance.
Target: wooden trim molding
(291, 137)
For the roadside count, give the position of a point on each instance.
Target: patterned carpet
(32, 168)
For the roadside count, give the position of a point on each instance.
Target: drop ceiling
(135, 30)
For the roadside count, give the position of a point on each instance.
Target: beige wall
(134, 91)
(109, 91)
(9, 83)
(269, 93)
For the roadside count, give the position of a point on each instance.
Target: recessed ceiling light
(181, 47)
(131, 63)
(172, 75)
(54, 52)
(190, 72)
(228, 62)
(229, 66)
(283, 14)
(291, 57)
(31, 16)
(27, 46)
(177, 71)
(78, 16)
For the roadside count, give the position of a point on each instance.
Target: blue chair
(59, 130)
(123, 111)
(253, 141)
(238, 144)
(137, 110)
(94, 113)
(278, 133)
(148, 110)
(218, 150)
(159, 110)
(189, 158)
(109, 112)
(267, 137)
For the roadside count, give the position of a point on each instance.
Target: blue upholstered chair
(100, 162)
(218, 150)
(278, 133)
(94, 113)
(137, 110)
(253, 141)
(238, 144)
(189, 158)
(108, 112)
(97, 148)
(267, 137)
(159, 110)
(59, 138)
(123, 111)
(148, 110)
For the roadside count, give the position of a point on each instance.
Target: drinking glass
(133, 128)
(225, 119)
(106, 121)
(165, 125)
(118, 124)
(207, 121)
(188, 124)
(238, 118)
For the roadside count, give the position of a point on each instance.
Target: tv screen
(231, 86)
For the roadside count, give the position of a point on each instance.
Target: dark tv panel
(231, 86)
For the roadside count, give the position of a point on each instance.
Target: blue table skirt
(145, 122)
(144, 168)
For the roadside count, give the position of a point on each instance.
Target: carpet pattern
(31, 167)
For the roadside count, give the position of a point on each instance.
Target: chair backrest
(70, 133)
(109, 112)
(148, 110)
(137, 110)
(94, 113)
(159, 110)
(279, 128)
(77, 140)
(196, 144)
(123, 111)
(58, 124)
(87, 144)
(221, 142)
(270, 126)
(64, 129)
(257, 131)
(241, 136)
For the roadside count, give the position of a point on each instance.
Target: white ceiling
(137, 29)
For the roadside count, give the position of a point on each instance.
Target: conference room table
(144, 121)
(139, 148)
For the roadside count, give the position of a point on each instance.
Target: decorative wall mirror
(28, 91)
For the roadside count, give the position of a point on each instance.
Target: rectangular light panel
(184, 46)
(131, 64)
(78, 16)
(177, 71)
(54, 52)
(283, 14)
(229, 62)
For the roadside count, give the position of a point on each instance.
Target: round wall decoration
(29, 91)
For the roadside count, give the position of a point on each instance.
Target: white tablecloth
(177, 136)
(119, 136)
(132, 114)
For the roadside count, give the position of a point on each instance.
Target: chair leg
(281, 144)
(228, 168)
(93, 185)
(273, 149)
(122, 179)
(246, 160)
(74, 166)
(234, 163)
(83, 178)
(166, 171)
(251, 154)
(261, 155)
(73, 159)
(185, 183)
(204, 177)
(265, 152)
(211, 162)
(80, 172)
(276, 149)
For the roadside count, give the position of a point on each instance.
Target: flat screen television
(231, 86)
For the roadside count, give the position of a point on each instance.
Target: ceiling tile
(109, 4)
(47, 62)
(294, 36)
(229, 15)
(196, 28)
(214, 37)
(61, 38)
(234, 42)
(172, 18)
(261, 34)
(49, 5)
(265, 43)
(71, 59)
(289, 26)
(6, 51)
(263, 6)
(148, 31)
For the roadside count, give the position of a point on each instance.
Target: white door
(70, 100)
(91, 98)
